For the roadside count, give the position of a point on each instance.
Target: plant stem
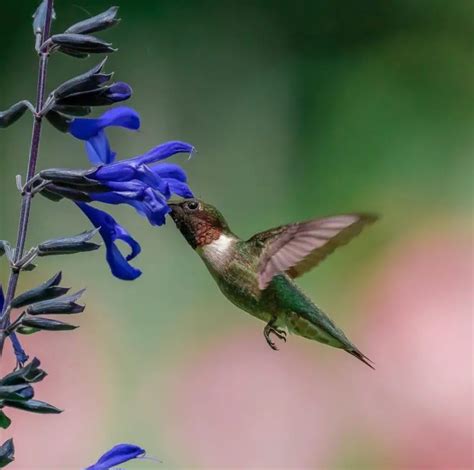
(32, 160)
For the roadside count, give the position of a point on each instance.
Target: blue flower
(20, 354)
(92, 131)
(140, 182)
(111, 231)
(120, 453)
(146, 188)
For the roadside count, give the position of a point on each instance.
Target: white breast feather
(219, 251)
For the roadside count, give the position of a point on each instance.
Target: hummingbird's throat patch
(206, 233)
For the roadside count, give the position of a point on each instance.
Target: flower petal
(98, 149)
(119, 91)
(111, 231)
(179, 188)
(169, 170)
(2, 298)
(163, 151)
(120, 453)
(122, 116)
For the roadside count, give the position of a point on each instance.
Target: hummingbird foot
(279, 333)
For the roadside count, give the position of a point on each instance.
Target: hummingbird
(257, 274)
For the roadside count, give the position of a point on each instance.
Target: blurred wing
(297, 248)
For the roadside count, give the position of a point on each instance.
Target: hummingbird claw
(270, 329)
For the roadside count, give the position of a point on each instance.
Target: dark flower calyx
(29, 373)
(80, 43)
(102, 21)
(7, 453)
(47, 290)
(61, 305)
(68, 245)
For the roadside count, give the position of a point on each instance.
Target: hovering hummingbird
(257, 274)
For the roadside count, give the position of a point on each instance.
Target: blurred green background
(297, 109)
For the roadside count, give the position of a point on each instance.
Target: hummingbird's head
(200, 223)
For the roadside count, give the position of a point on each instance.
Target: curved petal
(169, 170)
(120, 453)
(163, 151)
(131, 242)
(98, 149)
(122, 116)
(119, 265)
(179, 188)
(2, 298)
(111, 231)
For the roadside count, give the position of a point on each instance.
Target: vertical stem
(32, 160)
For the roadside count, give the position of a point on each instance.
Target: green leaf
(26, 330)
(5, 421)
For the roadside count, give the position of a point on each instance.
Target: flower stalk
(32, 161)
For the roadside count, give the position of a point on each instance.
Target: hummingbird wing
(297, 248)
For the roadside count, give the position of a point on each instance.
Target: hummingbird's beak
(174, 206)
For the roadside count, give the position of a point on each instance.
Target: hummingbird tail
(356, 353)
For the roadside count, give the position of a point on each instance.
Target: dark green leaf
(35, 406)
(7, 452)
(47, 290)
(26, 330)
(47, 324)
(99, 22)
(68, 245)
(12, 114)
(5, 421)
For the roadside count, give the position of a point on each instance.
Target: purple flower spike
(120, 453)
(92, 130)
(111, 231)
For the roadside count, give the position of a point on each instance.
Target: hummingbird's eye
(193, 205)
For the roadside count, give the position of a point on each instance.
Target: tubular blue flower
(147, 201)
(92, 130)
(20, 354)
(111, 231)
(143, 187)
(120, 453)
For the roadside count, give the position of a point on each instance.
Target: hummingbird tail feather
(356, 353)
